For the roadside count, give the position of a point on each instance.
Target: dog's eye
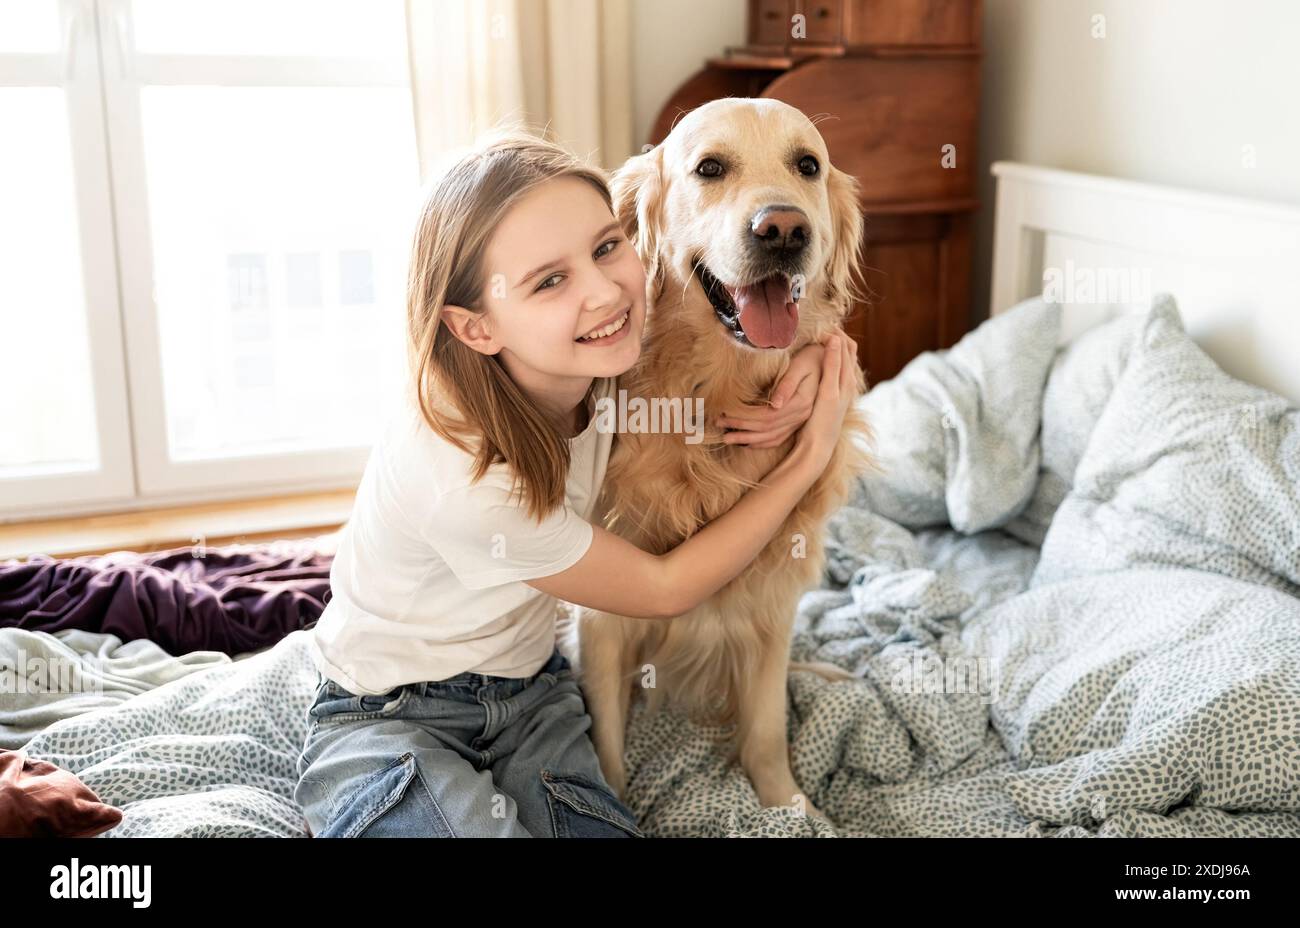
(808, 166)
(709, 167)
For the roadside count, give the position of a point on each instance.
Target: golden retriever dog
(750, 238)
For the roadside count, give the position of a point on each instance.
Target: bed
(1070, 602)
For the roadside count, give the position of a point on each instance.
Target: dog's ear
(637, 189)
(844, 269)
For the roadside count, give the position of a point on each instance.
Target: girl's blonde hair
(461, 210)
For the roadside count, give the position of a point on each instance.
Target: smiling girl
(443, 706)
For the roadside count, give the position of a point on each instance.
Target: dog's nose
(780, 229)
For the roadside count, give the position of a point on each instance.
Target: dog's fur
(727, 660)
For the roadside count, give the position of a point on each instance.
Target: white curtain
(559, 65)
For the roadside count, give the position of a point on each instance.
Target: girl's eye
(604, 249)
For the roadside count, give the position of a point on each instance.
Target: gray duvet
(1069, 600)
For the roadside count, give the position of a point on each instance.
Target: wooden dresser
(901, 80)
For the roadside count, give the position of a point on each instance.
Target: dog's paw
(803, 808)
(814, 812)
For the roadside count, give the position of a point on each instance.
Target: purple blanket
(234, 599)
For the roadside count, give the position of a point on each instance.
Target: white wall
(670, 40)
(1173, 94)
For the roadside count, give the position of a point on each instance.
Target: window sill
(210, 524)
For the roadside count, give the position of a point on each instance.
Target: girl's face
(558, 267)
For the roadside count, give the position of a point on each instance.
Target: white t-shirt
(427, 579)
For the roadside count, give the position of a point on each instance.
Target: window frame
(74, 68)
(103, 77)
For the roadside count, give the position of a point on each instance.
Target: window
(205, 214)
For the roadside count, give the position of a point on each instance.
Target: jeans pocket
(392, 803)
(583, 808)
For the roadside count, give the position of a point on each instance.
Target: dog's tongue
(767, 314)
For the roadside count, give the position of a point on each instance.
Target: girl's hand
(835, 394)
(791, 405)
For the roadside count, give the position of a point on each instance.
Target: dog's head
(741, 200)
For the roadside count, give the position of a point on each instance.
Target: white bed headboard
(1102, 246)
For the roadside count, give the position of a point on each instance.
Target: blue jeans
(473, 755)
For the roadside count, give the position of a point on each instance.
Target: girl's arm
(616, 576)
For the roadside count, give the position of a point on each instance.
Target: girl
(443, 706)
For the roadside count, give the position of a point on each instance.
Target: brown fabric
(39, 800)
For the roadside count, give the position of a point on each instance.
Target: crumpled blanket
(231, 599)
(45, 677)
(1138, 676)
(211, 754)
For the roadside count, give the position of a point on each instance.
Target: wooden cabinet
(901, 78)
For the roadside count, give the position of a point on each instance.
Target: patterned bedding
(1070, 603)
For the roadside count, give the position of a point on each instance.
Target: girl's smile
(608, 333)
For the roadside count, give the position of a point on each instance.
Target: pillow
(956, 432)
(39, 800)
(1078, 385)
(1186, 467)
